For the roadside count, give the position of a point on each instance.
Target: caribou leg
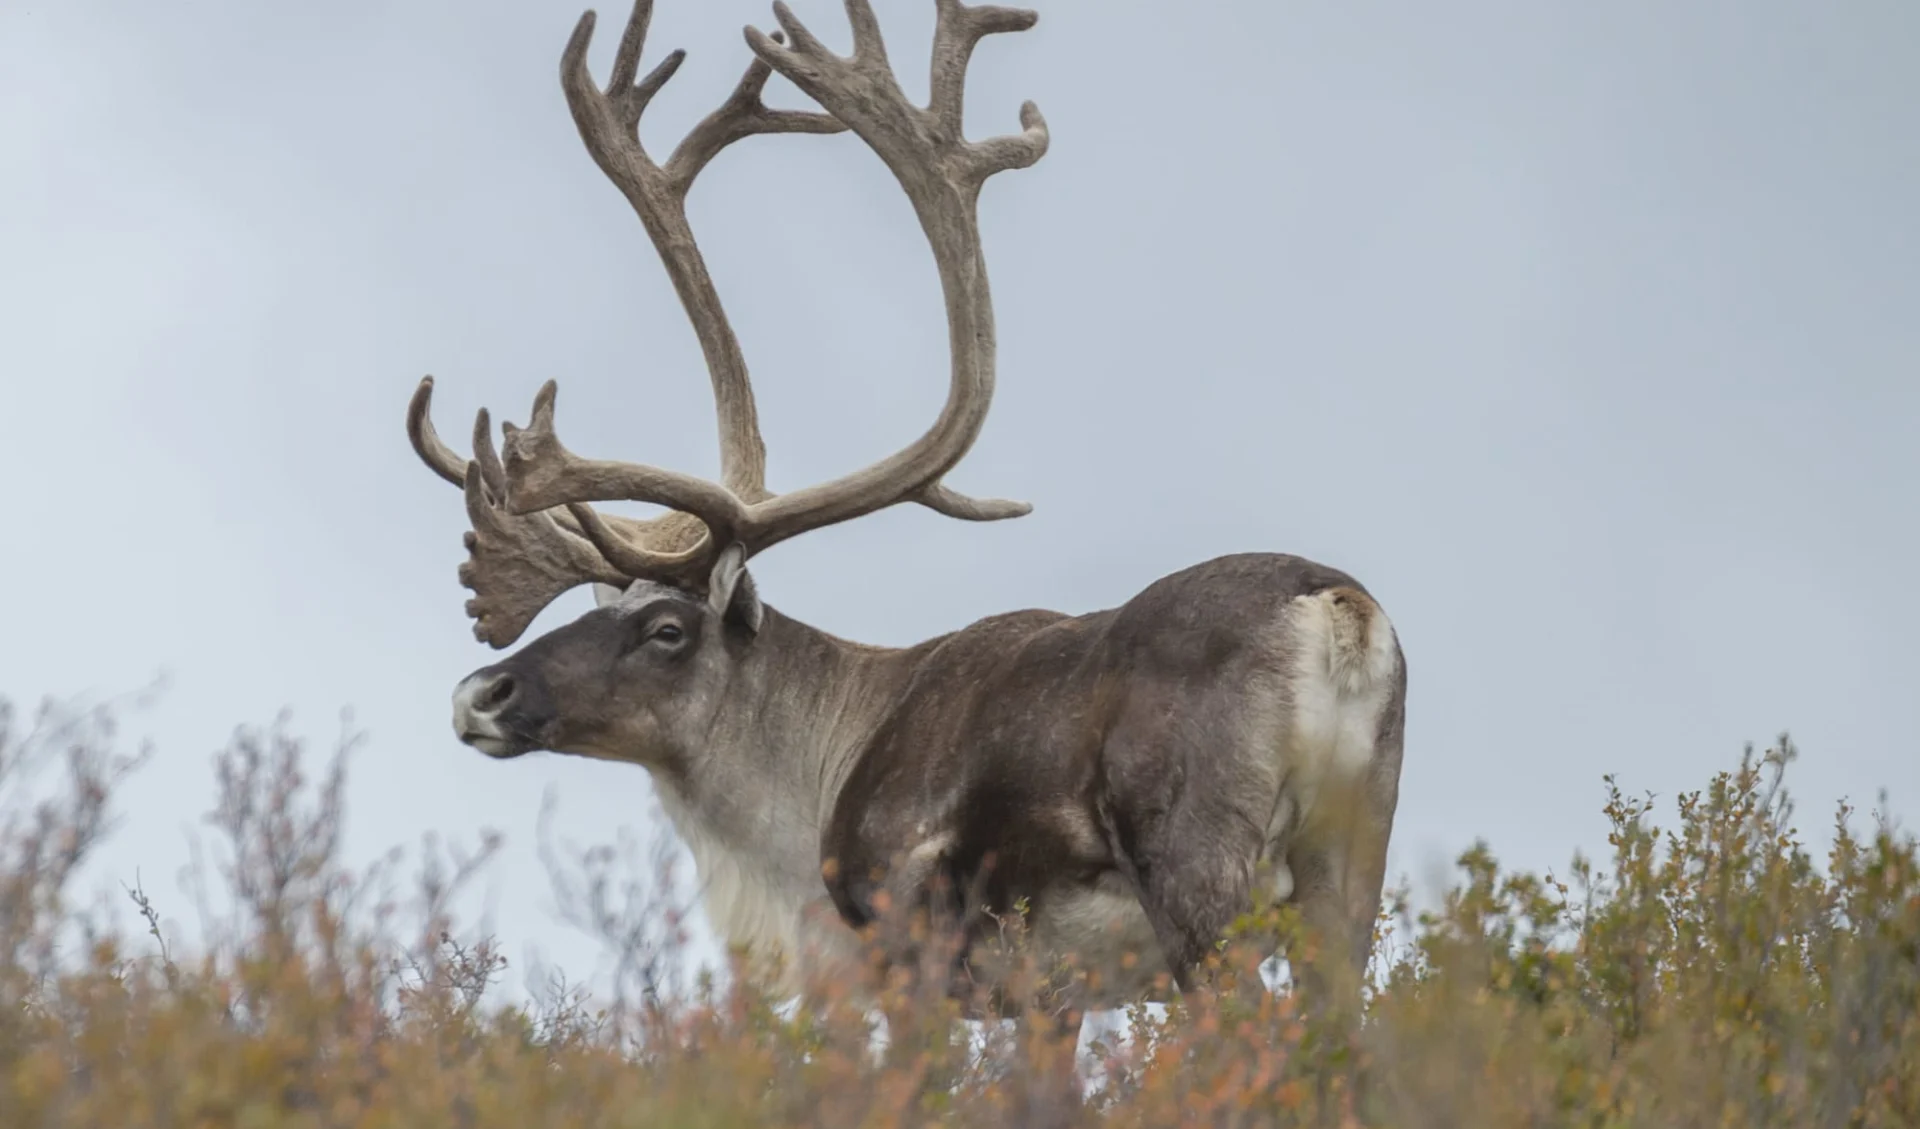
(1191, 786)
(1340, 870)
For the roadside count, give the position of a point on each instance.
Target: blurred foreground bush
(1710, 975)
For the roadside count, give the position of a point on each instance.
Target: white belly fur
(1099, 925)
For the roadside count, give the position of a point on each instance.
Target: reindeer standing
(1125, 774)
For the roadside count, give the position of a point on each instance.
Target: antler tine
(426, 441)
(960, 30)
(630, 558)
(942, 499)
(742, 115)
(626, 59)
(443, 461)
(541, 474)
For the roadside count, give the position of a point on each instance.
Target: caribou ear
(604, 594)
(745, 608)
(730, 590)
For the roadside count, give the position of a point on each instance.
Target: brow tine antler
(518, 563)
(442, 460)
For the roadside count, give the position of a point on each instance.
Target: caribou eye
(669, 632)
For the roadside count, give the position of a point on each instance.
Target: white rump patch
(1344, 657)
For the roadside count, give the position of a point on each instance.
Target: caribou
(1128, 778)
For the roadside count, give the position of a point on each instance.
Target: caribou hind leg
(1194, 865)
(1192, 782)
(1195, 876)
(1339, 866)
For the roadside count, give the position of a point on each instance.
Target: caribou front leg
(896, 882)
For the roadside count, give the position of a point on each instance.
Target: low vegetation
(1715, 972)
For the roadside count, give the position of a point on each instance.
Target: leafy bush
(1710, 975)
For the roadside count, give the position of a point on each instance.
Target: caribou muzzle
(502, 712)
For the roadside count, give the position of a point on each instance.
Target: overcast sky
(1585, 335)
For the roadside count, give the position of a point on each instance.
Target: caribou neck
(801, 706)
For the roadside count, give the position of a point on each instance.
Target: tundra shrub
(1714, 973)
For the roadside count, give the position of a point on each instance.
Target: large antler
(520, 562)
(942, 174)
(537, 509)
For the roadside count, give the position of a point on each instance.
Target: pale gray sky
(1586, 335)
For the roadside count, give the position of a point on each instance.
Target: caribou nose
(479, 701)
(504, 711)
(494, 695)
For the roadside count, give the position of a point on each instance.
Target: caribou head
(1124, 773)
(638, 680)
